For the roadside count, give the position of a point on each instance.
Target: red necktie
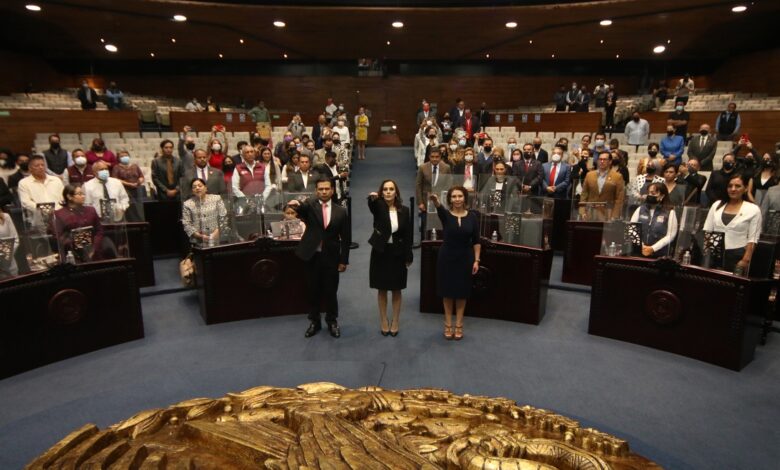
(552, 174)
(324, 215)
(468, 171)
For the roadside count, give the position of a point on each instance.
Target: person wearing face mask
(280, 150)
(703, 146)
(716, 188)
(8, 165)
(485, 157)
(228, 167)
(107, 188)
(56, 157)
(600, 93)
(637, 131)
(556, 176)
(423, 140)
(573, 98)
(610, 103)
(425, 113)
(599, 145)
(693, 181)
(186, 146)
(342, 130)
(672, 146)
(583, 102)
(679, 119)
(649, 173)
(603, 185)
(658, 221)
(432, 142)
(528, 171)
(447, 128)
(684, 89)
(540, 154)
(217, 148)
(578, 172)
(87, 96)
(99, 152)
(114, 97)
(80, 172)
(132, 179)
(468, 170)
(765, 177)
(75, 215)
(470, 124)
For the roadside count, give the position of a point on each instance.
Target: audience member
(579, 170)
(694, 182)
(716, 189)
(391, 251)
(272, 166)
(572, 98)
(228, 167)
(99, 152)
(193, 106)
(658, 221)
(217, 148)
(600, 94)
(556, 176)
(619, 164)
(703, 147)
(38, 187)
(583, 102)
(303, 180)
(539, 153)
(470, 124)
(361, 132)
(763, 179)
(342, 130)
(728, 123)
(672, 146)
(771, 202)
(203, 214)
(212, 106)
(8, 164)
(8, 266)
(132, 179)
(186, 146)
(560, 99)
(87, 96)
(75, 215)
(425, 113)
(290, 168)
(330, 109)
(56, 157)
(684, 89)
(250, 177)
(651, 173)
(637, 131)
(484, 116)
(167, 170)
(106, 188)
(114, 97)
(499, 184)
(458, 111)
(458, 258)
(240, 147)
(660, 95)
(259, 113)
(6, 197)
(599, 145)
(213, 178)
(610, 103)
(80, 172)
(676, 190)
(603, 185)
(740, 220)
(333, 171)
(678, 119)
(485, 157)
(296, 126)
(432, 177)
(528, 171)
(747, 157)
(652, 152)
(317, 133)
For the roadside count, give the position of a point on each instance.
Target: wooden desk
(52, 315)
(246, 280)
(561, 215)
(511, 285)
(711, 316)
(140, 242)
(167, 234)
(583, 242)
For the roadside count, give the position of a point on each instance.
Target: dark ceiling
(448, 31)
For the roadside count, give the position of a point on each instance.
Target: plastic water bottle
(433, 234)
(212, 241)
(69, 258)
(494, 236)
(686, 259)
(612, 250)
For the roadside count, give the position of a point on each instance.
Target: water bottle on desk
(686, 259)
(494, 236)
(433, 234)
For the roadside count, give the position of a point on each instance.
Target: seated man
(109, 189)
(603, 185)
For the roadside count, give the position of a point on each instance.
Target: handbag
(187, 271)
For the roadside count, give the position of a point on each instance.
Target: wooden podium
(511, 285)
(583, 242)
(67, 310)
(712, 316)
(140, 245)
(239, 281)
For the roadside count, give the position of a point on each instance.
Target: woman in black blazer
(391, 251)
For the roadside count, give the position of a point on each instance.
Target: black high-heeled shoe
(393, 334)
(384, 333)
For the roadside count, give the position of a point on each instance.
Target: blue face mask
(102, 175)
(124, 160)
(462, 142)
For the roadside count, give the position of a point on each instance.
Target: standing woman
(765, 178)
(458, 257)
(202, 214)
(740, 220)
(361, 132)
(391, 251)
(610, 103)
(658, 219)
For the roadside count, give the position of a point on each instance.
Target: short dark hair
(164, 142)
(240, 144)
(198, 179)
(434, 151)
(69, 190)
(330, 154)
(37, 156)
(323, 179)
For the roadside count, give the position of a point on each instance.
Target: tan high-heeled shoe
(448, 331)
(458, 333)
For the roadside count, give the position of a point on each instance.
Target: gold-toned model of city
(324, 426)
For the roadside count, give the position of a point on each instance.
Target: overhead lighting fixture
(398, 24)
(487, 56)
(285, 56)
(739, 8)
(179, 18)
(388, 43)
(220, 55)
(111, 48)
(530, 41)
(601, 41)
(617, 56)
(102, 40)
(280, 24)
(668, 41)
(553, 56)
(605, 22)
(33, 7)
(511, 24)
(151, 54)
(241, 41)
(659, 49)
(173, 40)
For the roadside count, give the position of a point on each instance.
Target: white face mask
(469, 158)
(453, 147)
(599, 143)
(556, 157)
(81, 161)
(216, 147)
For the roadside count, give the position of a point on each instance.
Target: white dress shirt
(33, 191)
(393, 224)
(236, 180)
(671, 228)
(637, 133)
(744, 228)
(93, 193)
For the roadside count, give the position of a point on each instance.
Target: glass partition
(210, 221)
(37, 238)
(431, 224)
(599, 211)
(519, 220)
(699, 244)
(647, 231)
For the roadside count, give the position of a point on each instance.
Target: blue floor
(682, 413)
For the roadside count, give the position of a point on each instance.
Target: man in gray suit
(702, 147)
(770, 202)
(432, 176)
(215, 180)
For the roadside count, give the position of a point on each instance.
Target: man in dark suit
(457, 112)
(167, 172)
(325, 249)
(702, 147)
(556, 176)
(304, 180)
(528, 171)
(425, 113)
(485, 157)
(215, 180)
(539, 153)
(484, 116)
(433, 176)
(87, 96)
(470, 124)
(694, 182)
(331, 171)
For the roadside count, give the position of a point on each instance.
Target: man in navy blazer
(556, 185)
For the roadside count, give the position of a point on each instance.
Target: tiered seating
(716, 101)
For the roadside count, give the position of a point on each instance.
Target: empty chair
(131, 135)
(566, 135)
(527, 136)
(508, 129)
(547, 136)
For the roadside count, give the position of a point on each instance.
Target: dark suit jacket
(543, 156)
(532, 177)
(215, 184)
(86, 103)
(402, 239)
(475, 125)
(295, 182)
(694, 183)
(425, 180)
(160, 176)
(562, 180)
(334, 239)
(484, 117)
(422, 117)
(704, 154)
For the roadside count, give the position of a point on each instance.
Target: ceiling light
(33, 7)
(487, 56)
(280, 24)
(659, 49)
(605, 22)
(617, 56)
(511, 24)
(285, 56)
(530, 41)
(179, 18)
(601, 41)
(739, 8)
(111, 48)
(151, 54)
(398, 24)
(553, 56)
(173, 40)
(102, 40)
(388, 43)
(241, 41)
(668, 41)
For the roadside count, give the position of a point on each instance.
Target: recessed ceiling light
(111, 48)
(241, 41)
(398, 24)
(388, 43)
(179, 18)
(102, 40)
(511, 24)
(601, 41)
(605, 22)
(553, 56)
(739, 8)
(487, 56)
(33, 7)
(280, 24)
(659, 49)
(530, 41)
(617, 56)
(173, 40)
(285, 56)
(220, 55)
(151, 54)
(668, 41)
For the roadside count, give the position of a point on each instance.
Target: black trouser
(323, 284)
(731, 258)
(610, 121)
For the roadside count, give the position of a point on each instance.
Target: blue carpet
(682, 413)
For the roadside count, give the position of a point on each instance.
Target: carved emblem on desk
(67, 306)
(265, 273)
(327, 426)
(663, 306)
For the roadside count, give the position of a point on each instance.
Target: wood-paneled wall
(758, 72)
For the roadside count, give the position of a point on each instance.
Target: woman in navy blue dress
(458, 257)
